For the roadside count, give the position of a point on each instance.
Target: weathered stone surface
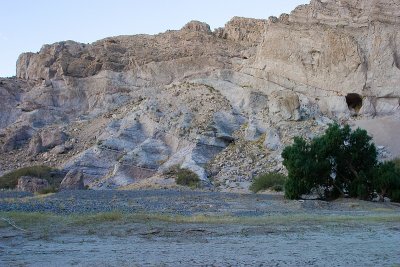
(10, 93)
(197, 26)
(387, 106)
(61, 149)
(272, 139)
(35, 145)
(368, 107)
(225, 124)
(243, 29)
(284, 105)
(73, 180)
(52, 137)
(334, 106)
(347, 12)
(31, 184)
(17, 137)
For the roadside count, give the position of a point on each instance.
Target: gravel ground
(182, 202)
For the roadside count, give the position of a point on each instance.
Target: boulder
(272, 140)
(252, 133)
(73, 180)
(61, 149)
(197, 26)
(243, 29)
(53, 137)
(225, 124)
(35, 145)
(284, 105)
(17, 138)
(31, 184)
(368, 108)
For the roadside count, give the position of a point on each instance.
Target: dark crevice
(354, 102)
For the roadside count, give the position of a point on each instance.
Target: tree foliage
(339, 162)
(387, 180)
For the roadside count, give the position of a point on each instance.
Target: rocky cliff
(222, 103)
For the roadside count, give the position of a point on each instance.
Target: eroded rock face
(221, 103)
(31, 184)
(243, 29)
(197, 26)
(347, 12)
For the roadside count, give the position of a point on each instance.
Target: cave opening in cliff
(354, 102)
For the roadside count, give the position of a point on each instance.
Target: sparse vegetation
(273, 181)
(187, 178)
(183, 176)
(91, 219)
(10, 180)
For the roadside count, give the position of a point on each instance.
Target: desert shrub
(274, 181)
(337, 163)
(186, 177)
(183, 176)
(10, 180)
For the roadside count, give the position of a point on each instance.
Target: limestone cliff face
(243, 29)
(336, 48)
(355, 13)
(365, 33)
(223, 103)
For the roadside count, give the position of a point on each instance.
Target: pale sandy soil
(161, 244)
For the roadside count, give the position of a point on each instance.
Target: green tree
(387, 180)
(338, 162)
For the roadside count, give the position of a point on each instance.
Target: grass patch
(98, 218)
(10, 180)
(32, 221)
(274, 181)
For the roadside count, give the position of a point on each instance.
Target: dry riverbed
(191, 228)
